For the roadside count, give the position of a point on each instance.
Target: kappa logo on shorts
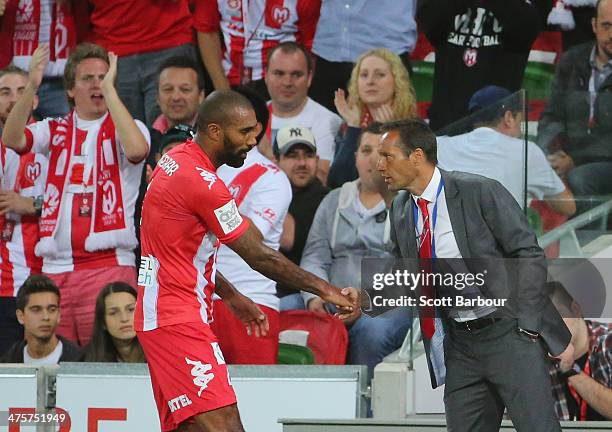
(200, 376)
(228, 216)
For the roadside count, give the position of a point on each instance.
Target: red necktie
(426, 313)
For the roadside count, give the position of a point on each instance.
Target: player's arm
(276, 266)
(243, 307)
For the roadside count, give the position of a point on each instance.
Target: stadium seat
(327, 335)
(295, 354)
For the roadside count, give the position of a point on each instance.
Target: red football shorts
(188, 373)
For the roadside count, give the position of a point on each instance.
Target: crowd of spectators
(94, 93)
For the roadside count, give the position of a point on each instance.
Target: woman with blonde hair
(379, 90)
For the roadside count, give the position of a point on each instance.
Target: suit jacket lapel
(455, 211)
(410, 234)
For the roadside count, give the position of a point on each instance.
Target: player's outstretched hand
(343, 302)
(354, 296)
(255, 321)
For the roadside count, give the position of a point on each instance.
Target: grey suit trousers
(493, 368)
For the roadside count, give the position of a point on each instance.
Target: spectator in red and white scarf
(96, 156)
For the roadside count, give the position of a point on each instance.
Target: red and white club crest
(470, 57)
(234, 190)
(234, 4)
(33, 171)
(280, 15)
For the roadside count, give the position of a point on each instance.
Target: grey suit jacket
(488, 223)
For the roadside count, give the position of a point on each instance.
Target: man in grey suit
(488, 357)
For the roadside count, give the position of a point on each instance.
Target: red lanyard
(580, 401)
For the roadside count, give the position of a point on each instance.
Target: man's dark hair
(373, 128)
(182, 62)
(259, 105)
(12, 69)
(289, 48)
(414, 134)
(33, 285)
(219, 108)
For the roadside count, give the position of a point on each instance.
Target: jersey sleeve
(212, 202)
(269, 201)
(38, 137)
(206, 17)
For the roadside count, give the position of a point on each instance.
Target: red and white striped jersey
(25, 175)
(251, 28)
(187, 213)
(263, 193)
(73, 227)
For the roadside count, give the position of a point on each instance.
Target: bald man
(187, 214)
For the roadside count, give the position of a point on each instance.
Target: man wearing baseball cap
(496, 149)
(295, 150)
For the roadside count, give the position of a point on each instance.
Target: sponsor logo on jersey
(168, 165)
(147, 273)
(228, 216)
(179, 402)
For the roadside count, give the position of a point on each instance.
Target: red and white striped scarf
(108, 225)
(27, 29)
